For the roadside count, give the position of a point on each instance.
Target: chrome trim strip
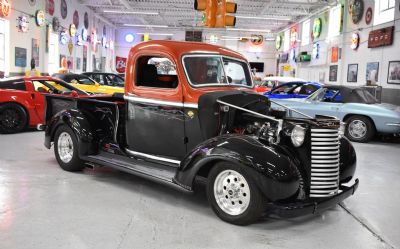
(393, 124)
(324, 143)
(325, 135)
(324, 130)
(157, 158)
(325, 161)
(335, 185)
(324, 169)
(325, 152)
(330, 166)
(323, 139)
(159, 102)
(325, 157)
(335, 147)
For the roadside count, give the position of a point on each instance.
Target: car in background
(293, 90)
(273, 81)
(107, 79)
(363, 114)
(87, 84)
(22, 103)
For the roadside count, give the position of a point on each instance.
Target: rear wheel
(233, 195)
(66, 149)
(359, 129)
(13, 118)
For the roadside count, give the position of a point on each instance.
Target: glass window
(157, 72)
(206, 70)
(335, 21)
(384, 11)
(13, 84)
(286, 41)
(305, 33)
(115, 80)
(286, 88)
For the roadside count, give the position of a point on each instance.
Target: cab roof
(180, 48)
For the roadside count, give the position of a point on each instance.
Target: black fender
(78, 122)
(274, 172)
(348, 160)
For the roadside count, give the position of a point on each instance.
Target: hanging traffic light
(210, 11)
(223, 19)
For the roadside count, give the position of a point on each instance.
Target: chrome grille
(325, 156)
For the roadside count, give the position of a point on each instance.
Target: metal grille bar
(325, 155)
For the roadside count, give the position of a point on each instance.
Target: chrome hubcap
(65, 147)
(357, 128)
(231, 192)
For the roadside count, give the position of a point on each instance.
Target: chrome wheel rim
(65, 147)
(232, 192)
(357, 128)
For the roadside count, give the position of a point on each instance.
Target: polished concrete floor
(43, 207)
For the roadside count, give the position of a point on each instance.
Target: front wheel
(233, 195)
(66, 149)
(359, 129)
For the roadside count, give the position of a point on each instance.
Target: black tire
(256, 204)
(361, 137)
(13, 118)
(74, 163)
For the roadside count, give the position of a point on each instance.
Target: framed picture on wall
(372, 72)
(394, 72)
(20, 57)
(352, 72)
(333, 72)
(35, 51)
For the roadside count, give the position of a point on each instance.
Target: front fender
(274, 172)
(78, 122)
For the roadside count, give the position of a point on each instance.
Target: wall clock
(368, 16)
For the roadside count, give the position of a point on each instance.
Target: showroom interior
(199, 123)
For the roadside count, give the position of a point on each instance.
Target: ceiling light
(129, 38)
(250, 30)
(155, 34)
(265, 18)
(145, 25)
(130, 12)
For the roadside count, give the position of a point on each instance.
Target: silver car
(363, 114)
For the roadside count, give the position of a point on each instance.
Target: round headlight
(298, 135)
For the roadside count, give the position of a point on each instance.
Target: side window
(14, 85)
(236, 72)
(156, 72)
(98, 78)
(308, 89)
(333, 95)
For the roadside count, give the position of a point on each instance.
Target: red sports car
(22, 103)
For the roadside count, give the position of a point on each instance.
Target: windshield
(116, 80)
(79, 79)
(326, 95)
(216, 70)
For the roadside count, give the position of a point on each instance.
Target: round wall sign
(32, 2)
(63, 38)
(40, 18)
(75, 19)
(317, 27)
(86, 20)
(72, 30)
(5, 8)
(355, 41)
(356, 10)
(56, 24)
(278, 42)
(64, 9)
(257, 39)
(50, 7)
(368, 16)
(23, 24)
(129, 38)
(84, 34)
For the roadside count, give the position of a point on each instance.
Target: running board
(155, 172)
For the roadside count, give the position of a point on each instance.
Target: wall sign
(317, 27)
(278, 42)
(352, 72)
(394, 72)
(50, 7)
(334, 54)
(368, 16)
(356, 10)
(293, 36)
(64, 9)
(40, 18)
(5, 8)
(120, 64)
(70, 47)
(63, 38)
(56, 24)
(35, 51)
(72, 30)
(355, 41)
(257, 39)
(316, 51)
(86, 20)
(75, 19)
(20, 57)
(372, 72)
(22, 24)
(93, 40)
(381, 37)
(84, 34)
(333, 72)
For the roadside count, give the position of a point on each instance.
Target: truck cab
(189, 113)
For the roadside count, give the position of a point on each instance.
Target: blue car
(296, 89)
(363, 115)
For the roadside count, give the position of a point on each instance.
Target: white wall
(24, 40)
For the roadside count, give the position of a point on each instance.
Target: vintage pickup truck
(190, 113)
